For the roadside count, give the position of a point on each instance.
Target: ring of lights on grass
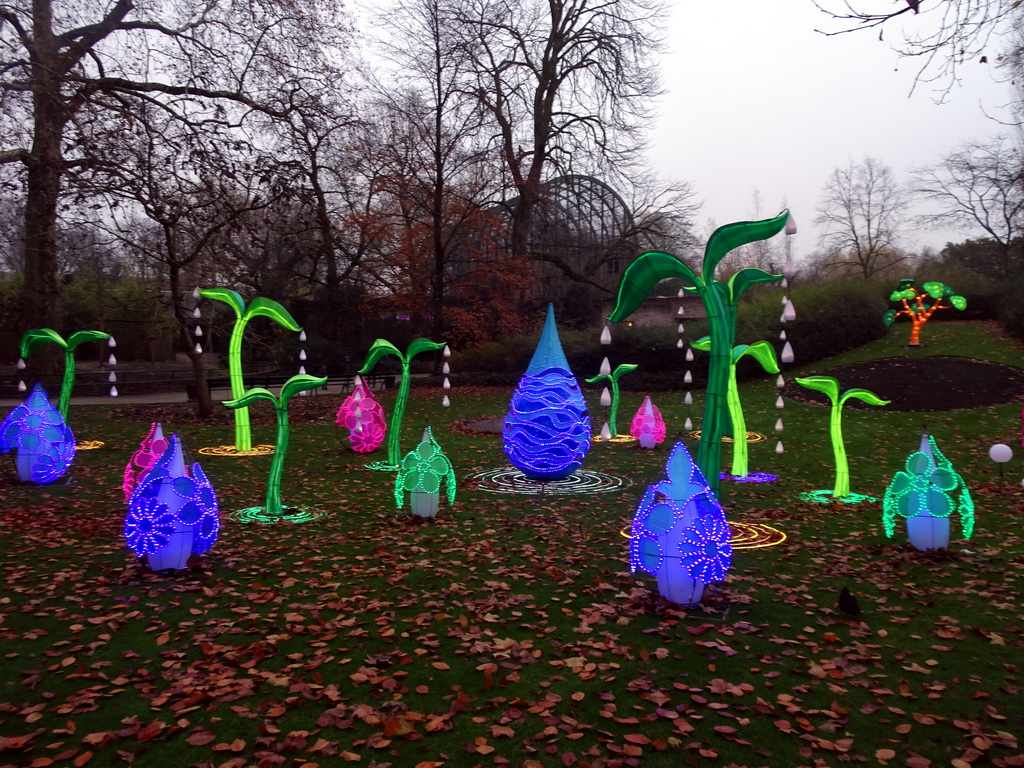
(752, 437)
(582, 481)
(746, 535)
(262, 449)
(753, 477)
(824, 496)
(89, 445)
(259, 516)
(617, 439)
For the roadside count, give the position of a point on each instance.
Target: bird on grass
(848, 603)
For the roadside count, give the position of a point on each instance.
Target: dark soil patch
(941, 383)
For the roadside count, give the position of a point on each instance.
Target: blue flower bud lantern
(927, 494)
(421, 473)
(172, 512)
(679, 533)
(42, 441)
(547, 428)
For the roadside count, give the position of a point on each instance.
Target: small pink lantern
(150, 449)
(363, 417)
(648, 427)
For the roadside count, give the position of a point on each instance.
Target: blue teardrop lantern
(43, 442)
(547, 427)
(679, 532)
(172, 512)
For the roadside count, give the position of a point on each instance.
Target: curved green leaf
(827, 384)
(900, 295)
(299, 383)
(229, 297)
(598, 378)
(761, 351)
(745, 278)
(646, 271)
(250, 397)
(422, 345)
(703, 344)
(623, 369)
(35, 338)
(730, 236)
(863, 395)
(889, 317)
(379, 349)
(263, 307)
(934, 289)
(958, 302)
(81, 337)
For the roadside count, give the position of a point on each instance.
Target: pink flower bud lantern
(363, 416)
(150, 449)
(648, 426)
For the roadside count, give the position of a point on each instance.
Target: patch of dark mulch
(940, 383)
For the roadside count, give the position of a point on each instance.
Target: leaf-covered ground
(509, 631)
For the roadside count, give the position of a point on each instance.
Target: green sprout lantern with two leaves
(35, 338)
(926, 494)
(273, 511)
(720, 300)
(764, 353)
(613, 380)
(258, 307)
(919, 306)
(421, 473)
(381, 348)
(829, 386)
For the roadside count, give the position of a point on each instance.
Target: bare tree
(942, 35)
(981, 185)
(863, 211)
(197, 61)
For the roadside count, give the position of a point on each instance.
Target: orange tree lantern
(920, 305)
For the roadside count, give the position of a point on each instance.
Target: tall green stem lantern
(381, 348)
(273, 511)
(764, 353)
(258, 307)
(720, 300)
(830, 387)
(613, 381)
(35, 338)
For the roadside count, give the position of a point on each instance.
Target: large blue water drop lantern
(172, 512)
(547, 427)
(679, 534)
(42, 441)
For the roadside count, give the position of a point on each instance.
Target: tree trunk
(204, 403)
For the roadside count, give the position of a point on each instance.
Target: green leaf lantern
(273, 511)
(926, 494)
(258, 307)
(830, 387)
(35, 338)
(421, 474)
(720, 300)
(920, 305)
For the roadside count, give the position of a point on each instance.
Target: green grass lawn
(509, 631)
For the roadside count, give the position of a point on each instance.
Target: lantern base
(294, 515)
(926, 532)
(424, 504)
(647, 442)
(675, 586)
(174, 555)
(382, 466)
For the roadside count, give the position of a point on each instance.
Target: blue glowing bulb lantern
(172, 512)
(43, 443)
(679, 533)
(547, 427)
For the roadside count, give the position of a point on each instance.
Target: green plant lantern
(919, 306)
(764, 353)
(380, 348)
(421, 473)
(720, 300)
(273, 512)
(830, 387)
(613, 381)
(35, 338)
(258, 307)
(926, 494)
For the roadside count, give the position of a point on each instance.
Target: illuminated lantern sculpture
(43, 443)
(679, 533)
(648, 427)
(926, 494)
(547, 428)
(421, 473)
(35, 338)
(363, 417)
(612, 378)
(150, 449)
(172, 512)
(919, 306)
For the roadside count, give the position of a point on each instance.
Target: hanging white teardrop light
(302, 370)
(196, 313)
(22, 386)
(689, 355)
(606, 397)
(606, 335)
(688, 378)
(790, 224)
(446, 384)
(445, 368)
(302, 354)
(780, 403)
(446, 402)
(606, 432)
(195, 293)
(688, 424)
(111, 360)
(681, 293)
(198, 330)
(199, 349)
(681, 312)
(787, 353)
(447, 352)
(778, 425)
(681, 329)
(679, 344)
(302, 335)
(778, 447)
(789, 313)
(112, 377)
(780, 382)
(606, 367)
(111, 342)
(782, 335)
(113, 391)
(21, 364)
(688, 399)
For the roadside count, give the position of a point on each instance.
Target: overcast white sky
(756, 98)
